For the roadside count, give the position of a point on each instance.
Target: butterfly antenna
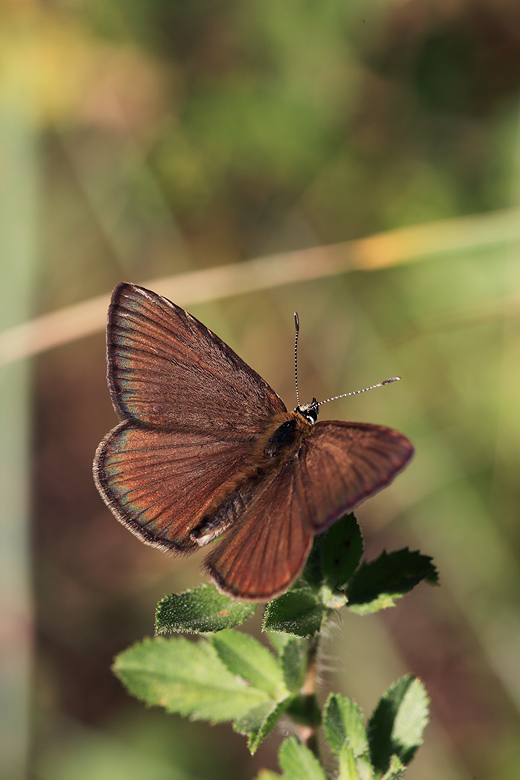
(297, 326)
(356, 392)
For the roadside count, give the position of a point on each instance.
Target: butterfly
(207, 449)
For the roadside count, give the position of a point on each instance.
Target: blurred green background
(141, 139)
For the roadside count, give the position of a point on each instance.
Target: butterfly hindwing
(160, 483)
(263, 553)
(338, 465)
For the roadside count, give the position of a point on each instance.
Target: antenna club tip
(392, 379)
(296, 319)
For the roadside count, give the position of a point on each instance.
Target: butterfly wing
(338, 466)
(343, 463)
(263, 553)
(160, 483)
(166, 368)
(193, 410)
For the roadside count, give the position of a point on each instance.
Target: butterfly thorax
(272, 450)
(282, 438)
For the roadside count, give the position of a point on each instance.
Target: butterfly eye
(309, 411)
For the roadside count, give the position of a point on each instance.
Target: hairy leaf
(260, 721)
(397, 724)
(341, 552)
(200, 610)
(376, 585)
(297, 612)
(298, 763)
(245, 656)
(344, 723)
(186, 677)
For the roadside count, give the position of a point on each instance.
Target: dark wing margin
(159, 484)
(166, 368)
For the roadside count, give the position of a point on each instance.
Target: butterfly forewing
(166, 368)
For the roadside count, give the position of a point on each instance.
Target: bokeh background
(147, 139)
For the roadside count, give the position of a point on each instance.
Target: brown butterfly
(206, 448)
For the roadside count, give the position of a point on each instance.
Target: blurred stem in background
(19, 176)
(383, 250)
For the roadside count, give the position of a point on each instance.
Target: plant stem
(306, 731)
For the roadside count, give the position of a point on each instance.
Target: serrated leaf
(376, 585)
(395, 770)
(245, 656)
(200, 610)
(341, 551)
(260, 721)
(185, 677)
(398, 722)
(298, 762)
(411, 720)
(344, 723)
(347, 764)
(294, 663)
(297, 612)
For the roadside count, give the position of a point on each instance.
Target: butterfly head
(309, 411)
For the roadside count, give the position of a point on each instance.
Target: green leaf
(257, 723)
(278, 641)
(344, 724)
(377, 584)
(312, 574)
(365, 769)
(297, 612)
(395, 770)
(347, 764)
(185, 677)
(245, 656)
(398, 722)
(200, 610)
(294, 663)
(298, 762)
(341, 551)
(304, 709)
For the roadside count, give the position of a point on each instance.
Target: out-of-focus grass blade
(383, 250)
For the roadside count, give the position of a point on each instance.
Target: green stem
(306, 728)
